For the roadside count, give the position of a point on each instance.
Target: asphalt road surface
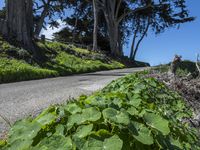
(21, 99)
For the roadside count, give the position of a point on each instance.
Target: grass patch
(130, 113)
(17, 70)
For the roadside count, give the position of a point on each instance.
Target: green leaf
(74, 119)
(55, 142)
(112, 143)
(83, 131)
(133, 111)
(135, 100)
(91, 114)
(24, 130)
(73, 108)
(157, 122)
(139, 87)
(115, 116)
(88, 114)
(141, 133)
(20, 144)
(60, 129)
(93, 144)
(46, 119)
(176, 143)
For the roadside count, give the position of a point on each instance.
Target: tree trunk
(74, 30)
(20, 22)
(120, 45)
(95, 31)
(133, 44)
(3, 28)
(135, 49)
(111, 10)
(113, 33)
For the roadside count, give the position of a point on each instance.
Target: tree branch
(117, 9)
(142, 37)
(133, 11)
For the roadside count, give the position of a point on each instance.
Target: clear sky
(185, 41)
(157, 49)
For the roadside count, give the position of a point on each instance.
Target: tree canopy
(107, 24)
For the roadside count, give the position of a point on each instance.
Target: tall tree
(162, 11)
(140, 31)
(158, 20)
(83, 28)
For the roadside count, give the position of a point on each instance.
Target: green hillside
(17, 64)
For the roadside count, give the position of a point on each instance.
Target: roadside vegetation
(17, 64)
(145, 111)
(184, 68)
(133, 112)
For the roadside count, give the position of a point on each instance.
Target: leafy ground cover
(130, 113)
(17, 64)
(186, 82)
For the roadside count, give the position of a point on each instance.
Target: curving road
(21, 99)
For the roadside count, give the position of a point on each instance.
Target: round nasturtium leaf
(88, 114)
(73, 108)
(141, 133)
(133, 111)
(157, 122)
(135, 100)
(46, 119)
(55, 142)
(91, 114)
(24, 130)
(20, 144)
(74, 119)
(115, 116)
(83, 131)
(112, 143)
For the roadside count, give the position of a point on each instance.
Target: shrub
(184, 68)
(188, 66)
(130, 113)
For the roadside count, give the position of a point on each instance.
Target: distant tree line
(104, 24)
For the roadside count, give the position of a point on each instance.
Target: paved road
(21, 99)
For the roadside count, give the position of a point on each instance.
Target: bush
(184, 68)
(188, 66)
(130, 113)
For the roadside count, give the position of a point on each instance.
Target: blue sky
(159, 49)
(185, 41)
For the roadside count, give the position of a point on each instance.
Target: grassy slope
(13, 66)
(130, 113)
